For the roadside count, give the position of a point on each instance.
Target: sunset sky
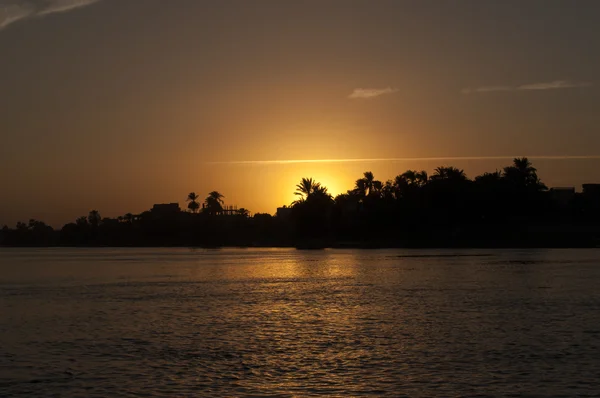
(119, 104)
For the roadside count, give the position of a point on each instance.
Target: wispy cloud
(422, 159)
(368, 93)
(14, 10)
(487, 89)
(554, 85)
(65, 5)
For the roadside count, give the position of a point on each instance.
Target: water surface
(280, 322)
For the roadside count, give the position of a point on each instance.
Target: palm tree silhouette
(421, 178)
(405, 184)
(488, 178)
(523, 175)
(320, 191)
(216, 196)
(410, 176)
(305, 188)
(214, 203)
(449, 173)
(368, 185)
(193, 204)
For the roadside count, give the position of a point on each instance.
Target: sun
(332, 184)
(326, 178)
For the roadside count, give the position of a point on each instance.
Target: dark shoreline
(511, 208)
(310, 248)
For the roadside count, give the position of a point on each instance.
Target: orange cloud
(368, 93)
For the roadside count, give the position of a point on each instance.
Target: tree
(449, 173)
(491, 199)
(523, 176)
(368, 185)
(487, 179)
(214, 203)
(305, 188)
(320, 193)
(421, 178)
(244, 212)
(405, 184)
(524, 191)
(128, 218)
(192, 200)
(94, 218)
(311, 213)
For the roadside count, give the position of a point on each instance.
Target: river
(290, 323)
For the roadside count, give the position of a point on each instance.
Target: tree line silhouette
(505, 208)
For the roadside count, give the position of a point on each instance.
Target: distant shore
(508, 208)
(338, 245)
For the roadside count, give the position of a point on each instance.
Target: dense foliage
(511, 207)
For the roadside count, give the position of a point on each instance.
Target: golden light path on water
(286, 322)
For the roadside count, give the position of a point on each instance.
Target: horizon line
(405, 159)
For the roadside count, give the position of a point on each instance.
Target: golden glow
(274, 104)
(408, 159)
(328, 177)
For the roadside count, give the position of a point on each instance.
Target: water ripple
(286, 324)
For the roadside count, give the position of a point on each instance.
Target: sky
(116, 105)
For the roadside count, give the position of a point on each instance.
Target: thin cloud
(55, 6)
(368, 93)
(554, 85)
(487, 89)
(12, 11)
(423, 159)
